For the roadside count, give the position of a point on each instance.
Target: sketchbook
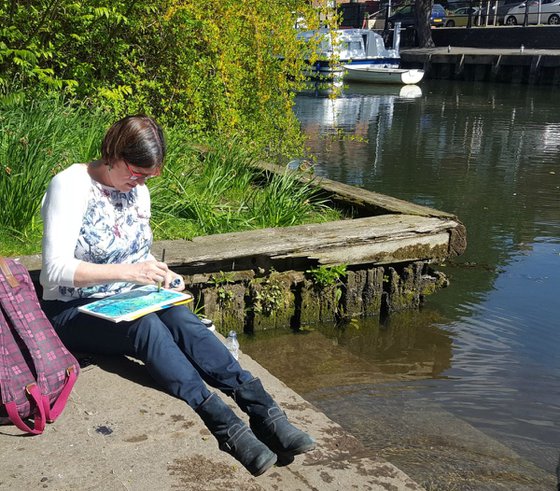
(135, 303)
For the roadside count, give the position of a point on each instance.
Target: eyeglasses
(134, 176)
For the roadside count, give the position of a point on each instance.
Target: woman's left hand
(174, 282)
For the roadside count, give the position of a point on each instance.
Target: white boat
(376, 75)
(337, 48)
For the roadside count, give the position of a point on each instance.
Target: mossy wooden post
(363, 293)
(373, 292)
(272, 301)
(353, 299)
(404, 288)
(318, 304)
(225, 304)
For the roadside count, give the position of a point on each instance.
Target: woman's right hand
(148, 272)
(144, 273)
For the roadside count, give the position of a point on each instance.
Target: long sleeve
(63, 208)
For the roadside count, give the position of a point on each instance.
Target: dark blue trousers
(179, 352)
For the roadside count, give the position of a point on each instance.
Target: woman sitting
(97, 241)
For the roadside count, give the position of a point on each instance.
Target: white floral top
(87, 221)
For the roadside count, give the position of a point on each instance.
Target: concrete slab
(119, 432)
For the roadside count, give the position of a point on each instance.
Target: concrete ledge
(118, 432)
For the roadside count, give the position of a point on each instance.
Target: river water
(470, 381)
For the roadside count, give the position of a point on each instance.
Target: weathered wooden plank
(379, 239)
(366, 202)
(431, 247)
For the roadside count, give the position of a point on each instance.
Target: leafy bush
(220, 66)
(220, 71)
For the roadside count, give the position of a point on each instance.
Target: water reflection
(340, 89)
(490, 154)
(490, 159)
(486, 349)
(408, 347)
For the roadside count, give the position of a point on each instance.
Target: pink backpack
(37, 372)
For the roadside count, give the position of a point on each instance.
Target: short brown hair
(138, 140)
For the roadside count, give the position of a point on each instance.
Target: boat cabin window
(351, 49)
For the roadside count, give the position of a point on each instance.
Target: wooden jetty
(519, 65)
(377, 263)
(264, 279)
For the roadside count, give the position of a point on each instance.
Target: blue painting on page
(134, 303)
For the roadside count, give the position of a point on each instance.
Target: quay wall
(253, 300)
(499, 37)
(517, 66)
(505, 54)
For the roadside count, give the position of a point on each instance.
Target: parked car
(485, 11)
(406, 15)
(503, 8)
(549, 10)
(460, 17)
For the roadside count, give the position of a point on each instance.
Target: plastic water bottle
(232, 344)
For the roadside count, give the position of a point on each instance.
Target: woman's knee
(182, 319)
(148, 330)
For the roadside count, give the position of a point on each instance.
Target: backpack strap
(51, 413)
(40, 418)
(10, 278)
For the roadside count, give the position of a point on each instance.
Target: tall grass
(285, 201)
(36, 142)
(220, 190)
(200, 192)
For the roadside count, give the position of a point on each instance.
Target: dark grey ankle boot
(269, 423)
(234, 437)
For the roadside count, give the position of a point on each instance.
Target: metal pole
(397, 37)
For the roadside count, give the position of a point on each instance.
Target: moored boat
(337, 48)
(382, 75)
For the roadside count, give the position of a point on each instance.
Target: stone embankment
(118, 432)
